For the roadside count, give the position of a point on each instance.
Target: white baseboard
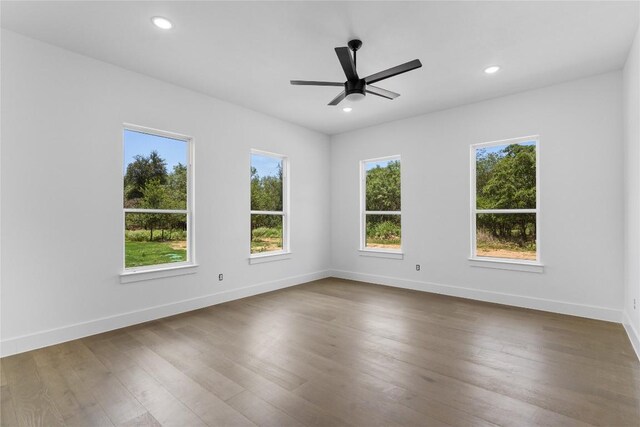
(79, 330)
(632, 332)
(581, 310)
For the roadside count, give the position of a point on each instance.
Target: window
(504, 200)
(157, 202)
(269, 204)
(380, 205)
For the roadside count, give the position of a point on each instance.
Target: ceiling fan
(355, 88)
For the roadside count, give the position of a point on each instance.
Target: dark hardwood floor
(334, 352)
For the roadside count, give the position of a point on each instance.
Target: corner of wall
(632, 332)
(631, 209)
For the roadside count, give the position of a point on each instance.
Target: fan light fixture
(161, 22)
(355, 96)
(492, 69)
(347, 109)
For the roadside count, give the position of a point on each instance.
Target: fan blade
(312, 83)
(399, 69)
(337, 99)
(346, 60)
(374, 90)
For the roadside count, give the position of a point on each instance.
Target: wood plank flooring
(334, 352)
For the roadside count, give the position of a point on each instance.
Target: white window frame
(376, 252)
(134, 274)
(258, 258)
(504, 263)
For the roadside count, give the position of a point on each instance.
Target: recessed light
(347, 109)
(161, 22)
(492, 69)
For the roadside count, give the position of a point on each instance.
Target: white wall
(579, 124)
(62, 117)
(61, 218)
(631, 90)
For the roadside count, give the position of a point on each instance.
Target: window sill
(503, 264)
(381, 254)
(159, 273)
(278, 256)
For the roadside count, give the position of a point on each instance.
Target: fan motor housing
(356, 86)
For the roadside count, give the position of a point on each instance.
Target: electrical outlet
(417, 267)
(220, 277)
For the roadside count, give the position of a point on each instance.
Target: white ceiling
(246, 52)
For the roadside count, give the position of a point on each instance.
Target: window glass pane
(266, 233)
(506, 176)
(266, 183)
(506, 236)
(383, 185)
(151, 239)
(383, 231)
(155, 171)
